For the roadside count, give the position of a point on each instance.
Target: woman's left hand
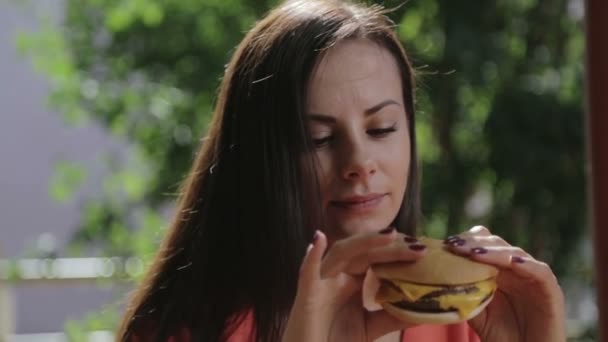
(528, 304)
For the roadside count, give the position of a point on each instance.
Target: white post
(7, 305)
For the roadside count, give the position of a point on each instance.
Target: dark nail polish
(457, 243)
(387, 230)
(479, 250)
(417, 247)
(410, 239)
(315, 237)
(517, 259)
(451, 239)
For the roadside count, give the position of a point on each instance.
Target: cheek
(399, 169)
(399, 166)
(324, 170)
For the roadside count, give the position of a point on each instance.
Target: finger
(499, 256)
(532, 269)
(479, 231)
(465, 245)
(495, 251)
(343, 252)
(475, 231)
(310, 270)
(405, 249)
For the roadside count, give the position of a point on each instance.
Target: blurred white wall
(32, 138)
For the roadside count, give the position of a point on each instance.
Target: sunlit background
(104, 102)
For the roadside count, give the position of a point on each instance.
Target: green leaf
(66, 181)
(410, 25)
(134, 184)
(120, 18)
(152, 14)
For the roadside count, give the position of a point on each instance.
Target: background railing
(57, 272)
(94, 271)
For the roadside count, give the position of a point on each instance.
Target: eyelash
(376, 133)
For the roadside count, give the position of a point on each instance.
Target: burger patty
(453, 290)
(443, 291)
(428, 304)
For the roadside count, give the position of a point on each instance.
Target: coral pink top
(431, 333)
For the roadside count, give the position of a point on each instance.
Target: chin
(355, 226)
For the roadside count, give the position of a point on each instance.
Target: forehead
(355, 63)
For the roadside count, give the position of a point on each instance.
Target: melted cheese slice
(464, 303)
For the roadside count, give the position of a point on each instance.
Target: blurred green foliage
(499, 110)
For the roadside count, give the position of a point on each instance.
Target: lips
(357, 203)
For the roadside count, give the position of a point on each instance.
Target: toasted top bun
(438, 267)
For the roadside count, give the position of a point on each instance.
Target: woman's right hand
(328, 305)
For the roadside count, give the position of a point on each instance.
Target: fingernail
(457, 243)
(387, 230)
(315, 237)
(451, 238)
(417, 247)
(410, 239)
(517, 259)
(479, 250)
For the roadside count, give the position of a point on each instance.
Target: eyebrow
(368, 112)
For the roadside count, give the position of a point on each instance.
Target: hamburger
(439, 288)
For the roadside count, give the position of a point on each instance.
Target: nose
(358, 164)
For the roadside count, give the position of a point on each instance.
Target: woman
(312, 139)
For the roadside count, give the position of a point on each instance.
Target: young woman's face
(358, 123)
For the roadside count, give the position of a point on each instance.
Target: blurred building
(32, 139)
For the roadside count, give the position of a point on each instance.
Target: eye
(320, 142)
(382, 132)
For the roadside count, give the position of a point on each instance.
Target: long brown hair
(246, 212)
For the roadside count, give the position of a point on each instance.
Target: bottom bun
(410, 316)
